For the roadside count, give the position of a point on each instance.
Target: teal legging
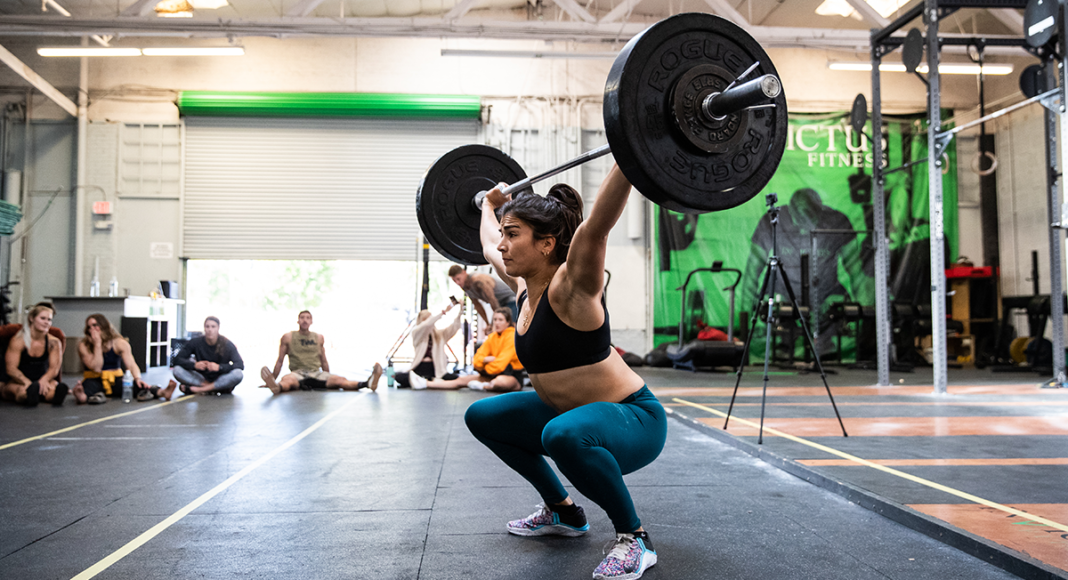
(594, 446)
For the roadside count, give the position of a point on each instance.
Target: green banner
(824, 212)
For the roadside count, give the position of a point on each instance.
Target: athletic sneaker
(376, 374)
(477, 385)
(545, 522)
(630, 556)
(268, 378)
(417, 382)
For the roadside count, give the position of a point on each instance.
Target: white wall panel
(1023, 212)
(1022, 206)
(309, 189)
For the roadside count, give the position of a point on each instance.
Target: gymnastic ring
(993, 163)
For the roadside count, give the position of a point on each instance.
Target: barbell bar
(716, 106)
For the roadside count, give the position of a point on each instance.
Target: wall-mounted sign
(161, 250)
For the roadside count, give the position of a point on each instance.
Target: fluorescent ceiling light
(842, 8)
(528, 54)
(152, 51)
(943, 68)
(87, 51)
(194, 51)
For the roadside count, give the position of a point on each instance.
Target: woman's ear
(547, 246)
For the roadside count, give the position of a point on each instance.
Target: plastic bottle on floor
(389, 374)
(127, 387)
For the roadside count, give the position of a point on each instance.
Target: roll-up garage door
(308, 189)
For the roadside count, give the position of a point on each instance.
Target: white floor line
(141, 540)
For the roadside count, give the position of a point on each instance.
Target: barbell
(694, 115)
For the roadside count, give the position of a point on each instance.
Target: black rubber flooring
(390, 484)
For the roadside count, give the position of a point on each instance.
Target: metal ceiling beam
(724, 9)
(39, 83)
(1010, 18)
(59, 8)
(577, 12)
(140, 8)
(471, 27)
(480, 27)
(864, 9)
(303, 8)
(458, 11)
(621, 10)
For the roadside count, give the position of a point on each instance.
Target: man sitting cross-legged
(308, 366)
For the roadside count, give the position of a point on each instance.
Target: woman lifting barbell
(590, 412)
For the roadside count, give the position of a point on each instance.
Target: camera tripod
(767, 288)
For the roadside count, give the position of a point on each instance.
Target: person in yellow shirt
(498, 367)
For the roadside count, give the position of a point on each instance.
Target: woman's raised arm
(490, 235)
(585, 259)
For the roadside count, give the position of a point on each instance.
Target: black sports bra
(551, 345)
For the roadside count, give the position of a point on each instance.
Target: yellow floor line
(141, 540)
(93, 422)
(891, 471)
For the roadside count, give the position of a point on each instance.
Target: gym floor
(391, 485)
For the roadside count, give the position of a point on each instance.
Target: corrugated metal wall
(308, 189)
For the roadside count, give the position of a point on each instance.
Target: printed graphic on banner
(824, 191)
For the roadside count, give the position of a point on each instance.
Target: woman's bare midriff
(610, 381)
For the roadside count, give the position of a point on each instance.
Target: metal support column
(934, 177)
(1056, 240)
(883, 336)
(1056, 285)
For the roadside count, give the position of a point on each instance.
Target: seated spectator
(209, 363)
(498, 366)
(308, 367)
(33, 359)
(429, 342)
(104, 354)
(9, 330)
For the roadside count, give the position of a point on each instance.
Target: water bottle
(113, 288)
(127, 387)
(94, 287)
(389, 373)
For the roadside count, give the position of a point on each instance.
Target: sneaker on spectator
(268, 378)
(376, 373)
(477, 385)
(630, 556)
(417, 382)
(545, 522)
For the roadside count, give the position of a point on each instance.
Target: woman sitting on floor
(498, 366)
(33, 359)
(429, 342)
(104, 354)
